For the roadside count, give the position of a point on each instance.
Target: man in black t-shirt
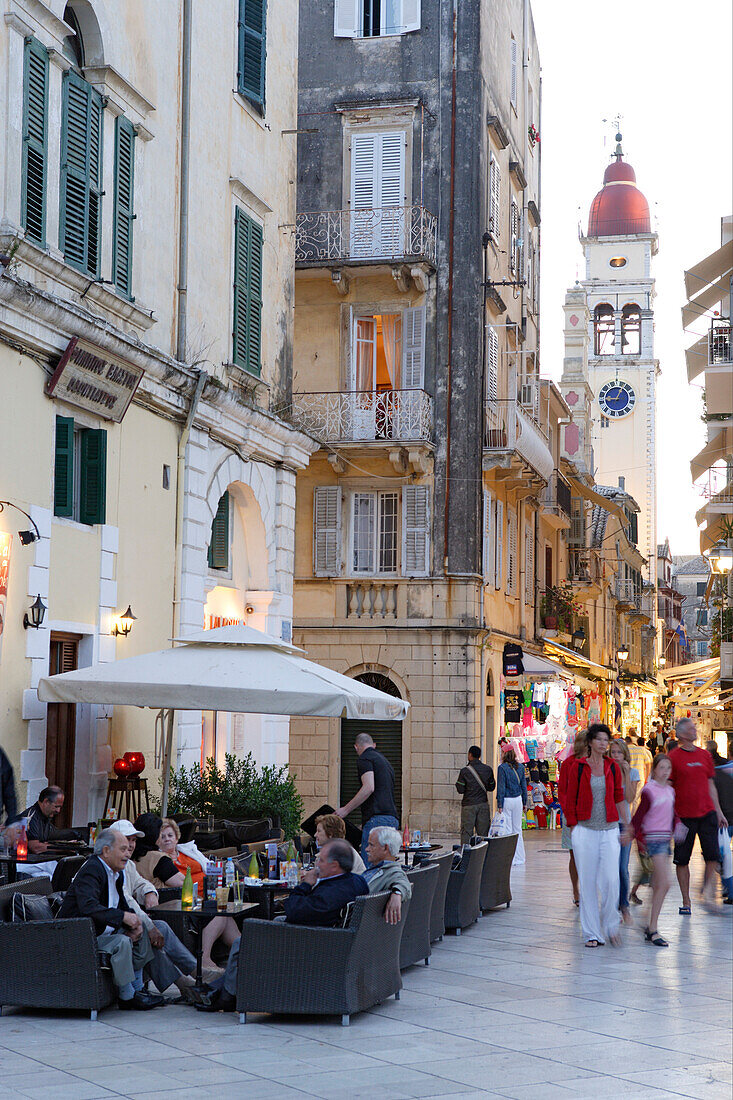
(376, 793)
(474, 782)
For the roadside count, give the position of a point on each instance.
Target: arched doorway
(387, 737)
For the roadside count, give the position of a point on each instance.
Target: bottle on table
(254, 867)
(229, 874)
(21, 845)
(187, 891)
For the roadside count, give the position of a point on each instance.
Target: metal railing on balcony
(364, 416)
(378, 233)
(557, 497)
(720, 347)
(627, 592)
(509, 427)
(585, 565)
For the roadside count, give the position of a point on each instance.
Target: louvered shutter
(254, 296)
(252, 50)
(492, 373)
(247, 316)
(528, 564)
(377, 181)
(63, 476)
(513, 236)
(413, 343)
(514, 72)
(93, 476)
(494, 198)
(511, 562)
(415, 530)
(410, 16)
(81, 174)
(327, 530)
(123, 206)
(218, 555)
(35, 141)
(347, 18)
(488, 550)
(388, 739)
(499, 540)
(391, 193)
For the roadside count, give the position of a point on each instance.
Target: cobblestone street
(514, 1008)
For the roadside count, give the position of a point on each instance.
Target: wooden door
(61, 726)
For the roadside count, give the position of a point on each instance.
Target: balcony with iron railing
(556, 501)
(382, 234)
(389, 416)
(627, 593)
(720, 347)
(585, 569)
(512, 426)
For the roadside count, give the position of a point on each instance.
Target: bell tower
(622, 370)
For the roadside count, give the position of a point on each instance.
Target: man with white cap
(173, 964)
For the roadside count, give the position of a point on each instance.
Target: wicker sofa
(495, 889)
(51, 963)
(289, 968)
(415, 946)
(462, 906)
(437, 910)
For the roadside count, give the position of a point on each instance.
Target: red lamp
(121, 768)
(136, 760)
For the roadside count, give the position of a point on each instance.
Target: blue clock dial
(616, 399)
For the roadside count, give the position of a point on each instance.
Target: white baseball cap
(126, 828)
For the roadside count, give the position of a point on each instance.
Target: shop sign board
(212, 622)
(94, 380)
(6, 541)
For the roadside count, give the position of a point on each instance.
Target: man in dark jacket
(474, 782)
(8, 803)
(97, 891)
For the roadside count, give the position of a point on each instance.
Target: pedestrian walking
(619, 752)
(474, 782)
(580, 751)
(648, 758)
(653, 824)
(593, 804)
(511, 797)
(376, 792)
(696, 801)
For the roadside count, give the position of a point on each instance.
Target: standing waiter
(474, 782)
(376, 793)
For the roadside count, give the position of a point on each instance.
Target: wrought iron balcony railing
(376, 234)
(720, 346)
(557, 497)
(627, 592)
(362, 416)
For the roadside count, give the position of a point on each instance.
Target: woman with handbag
(511, 797)
(593, 803)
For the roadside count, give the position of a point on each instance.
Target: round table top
(421, 848)
(199, 913)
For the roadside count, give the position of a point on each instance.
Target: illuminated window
(603, 330)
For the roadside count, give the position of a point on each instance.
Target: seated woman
(164, 862)
(333, 827)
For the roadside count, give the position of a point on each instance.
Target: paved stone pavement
(514, 1008)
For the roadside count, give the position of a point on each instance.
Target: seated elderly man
(318, 901)
(97, 891)
(41, 831)
(385, 873)
(172, 963)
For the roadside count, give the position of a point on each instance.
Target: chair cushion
(31, 907)
(237, 833)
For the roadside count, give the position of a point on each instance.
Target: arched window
(631, 330)
(603, 329)
(73, 48)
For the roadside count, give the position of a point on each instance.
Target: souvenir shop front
(543, 705)
(639, 700)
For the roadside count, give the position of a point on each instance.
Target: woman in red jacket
(593, 802)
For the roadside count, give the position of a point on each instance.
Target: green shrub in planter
(240, 792)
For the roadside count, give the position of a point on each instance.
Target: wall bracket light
(37, 612)
(123, 626)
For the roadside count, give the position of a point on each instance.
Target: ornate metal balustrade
(720, 346)
(627, 592)
(379, 233)
(394, 416)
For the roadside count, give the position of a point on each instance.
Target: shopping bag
(499, 824)
(726, 859)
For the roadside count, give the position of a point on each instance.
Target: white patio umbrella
(232, 668)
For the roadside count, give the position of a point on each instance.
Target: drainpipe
(180, 483)
(451, 228)
(184, 178)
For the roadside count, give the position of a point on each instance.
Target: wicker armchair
(437, 910)
(51, 964)
(415, 946)
(464, 884)
(290, 968)
(495, 888)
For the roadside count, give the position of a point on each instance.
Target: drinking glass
(306, 860)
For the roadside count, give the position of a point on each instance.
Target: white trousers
(596, 854)
(513, 809)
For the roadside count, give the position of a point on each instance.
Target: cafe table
(418, 850)
(264, 893)
(9, 859)
(195, 920)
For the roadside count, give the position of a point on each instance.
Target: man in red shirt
(696, 802)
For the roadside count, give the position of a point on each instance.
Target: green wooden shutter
(123, 206)
(81, 174)
(252, 50)
(247, 328)
(35, 140)
(219, 545)
(93, 482)
(63, 476)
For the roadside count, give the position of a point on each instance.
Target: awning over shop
(697, 358)
(712, 267)
(718, 446)
(695, 671)
(574, 661)
(695, 308)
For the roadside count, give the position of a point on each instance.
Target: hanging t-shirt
(512, 706)
(512, 660)
(539, 694)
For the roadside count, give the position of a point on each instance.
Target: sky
(665, 67)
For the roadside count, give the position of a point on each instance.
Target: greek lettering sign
(93, 380)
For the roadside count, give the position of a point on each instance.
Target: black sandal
(655, 938)
(593, 943)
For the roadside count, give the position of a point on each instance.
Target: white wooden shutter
(514, 62)
(492, 372)
(528, 563)
(513, 236)
(494, 198)
(489, 552)
(415, 530)
(511, 561)
(391, 177)
(326, 530)
(347, 18)
(363, 171)
(413, 349)
(499, 541)
(410, 16)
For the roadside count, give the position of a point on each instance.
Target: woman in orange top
(223, 927)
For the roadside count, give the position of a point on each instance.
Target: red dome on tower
(619, 209)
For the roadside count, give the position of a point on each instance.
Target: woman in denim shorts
(653, 825)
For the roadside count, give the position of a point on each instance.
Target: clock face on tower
(616, 399)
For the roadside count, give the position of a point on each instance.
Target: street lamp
(622, 654)
(37, 611)
(124, 624)
(578, 638)
(662, 662)
(721, 557)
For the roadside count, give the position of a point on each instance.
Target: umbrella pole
(167, 751)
